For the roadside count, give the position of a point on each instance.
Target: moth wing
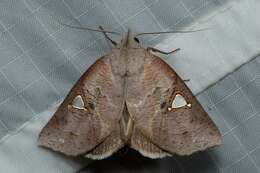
(143, 144)
(77, 128)
(182, 130)
(109, 146)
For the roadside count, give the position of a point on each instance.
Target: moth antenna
(90, 29)
(107, 37)
(169, 32)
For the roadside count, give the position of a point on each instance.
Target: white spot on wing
(179, 101)
(78, 102)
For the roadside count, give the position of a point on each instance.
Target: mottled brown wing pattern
(74, 131)
(178, 131)
(109, 146)
(144, 145)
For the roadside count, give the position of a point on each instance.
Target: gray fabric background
(40, 60)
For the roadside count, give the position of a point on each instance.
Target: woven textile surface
(40, 60)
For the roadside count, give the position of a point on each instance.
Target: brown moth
(130, 97)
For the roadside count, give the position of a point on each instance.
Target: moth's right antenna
(90, 29)
(169, 32)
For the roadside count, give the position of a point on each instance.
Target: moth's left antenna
(107, 37)
(90, 29)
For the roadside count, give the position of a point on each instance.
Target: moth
(130, 97)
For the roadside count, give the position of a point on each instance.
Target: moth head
(179, 102)
(129, 40)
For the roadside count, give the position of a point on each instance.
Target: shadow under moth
(130, 97)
